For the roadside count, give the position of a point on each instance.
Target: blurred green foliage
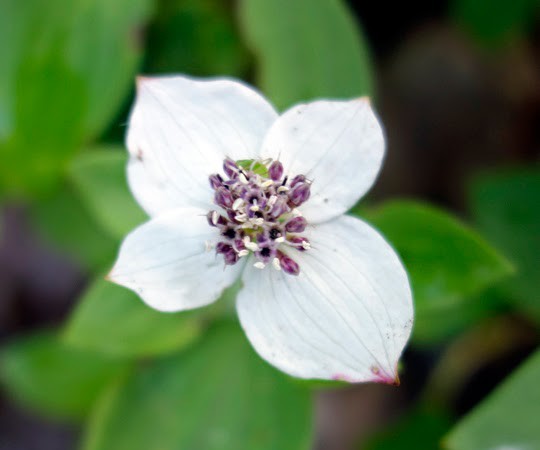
(112, 320)
(494, 22)
(63, 220)
(99, 176)
(218, 396)
(65, 69)
(168, 381)
(48, 376)
(197, 37)
(420, 430)
(306, 49)
(505, 208)
(508, 418)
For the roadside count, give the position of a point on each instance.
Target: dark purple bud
(230, 257)
(279, 208)
(296, 225)
(222, 248)
(288, 265)
(301, 243)
(216, 181)
(223, 198)
(300, 194)
(275, 170)
(297, 179)
(230, 168)
(239, 244)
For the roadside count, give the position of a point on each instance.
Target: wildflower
(235, 190)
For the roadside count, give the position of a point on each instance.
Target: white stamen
(253, 246)
(259, 265)
(241, 217)
(282, 189)
(272, 201)
(259, 221)
(250, 245)
(254, 208)
(243, 253)
(280, 239)
(267, 183)
(306, 245)
(276, 264)
(296, 213)
(243, 179)
(215, 217)
(237, 204)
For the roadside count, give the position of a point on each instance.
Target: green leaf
(46, 376)
(494, 22)
(508, 418)
(113, 320)
(254, 166)
(217, 396)
(63, 221)
(420, 430)
(197, 37)
(65, 70)
(99, 175)
(505, 208)
(306, 49)
(448, 264)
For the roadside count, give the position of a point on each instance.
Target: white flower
(323, 296)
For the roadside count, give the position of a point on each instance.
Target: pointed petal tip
(141, 81)
(383, 378)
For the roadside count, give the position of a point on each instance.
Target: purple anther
(239, 245)
(222, 248)
(296, 225)
(280, 207)
(229, 255)
(297, 179)
(215, 181)
(223, 198)
(288, 265)
(300, 243)
(275, 171)
(230, 168)
(300, 194)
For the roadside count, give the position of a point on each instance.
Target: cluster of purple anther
(259, 213)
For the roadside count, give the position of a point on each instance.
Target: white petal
(337, 144)
(346, 316)
(181, 129)
(166, 262)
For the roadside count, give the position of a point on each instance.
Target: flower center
(259, 213)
